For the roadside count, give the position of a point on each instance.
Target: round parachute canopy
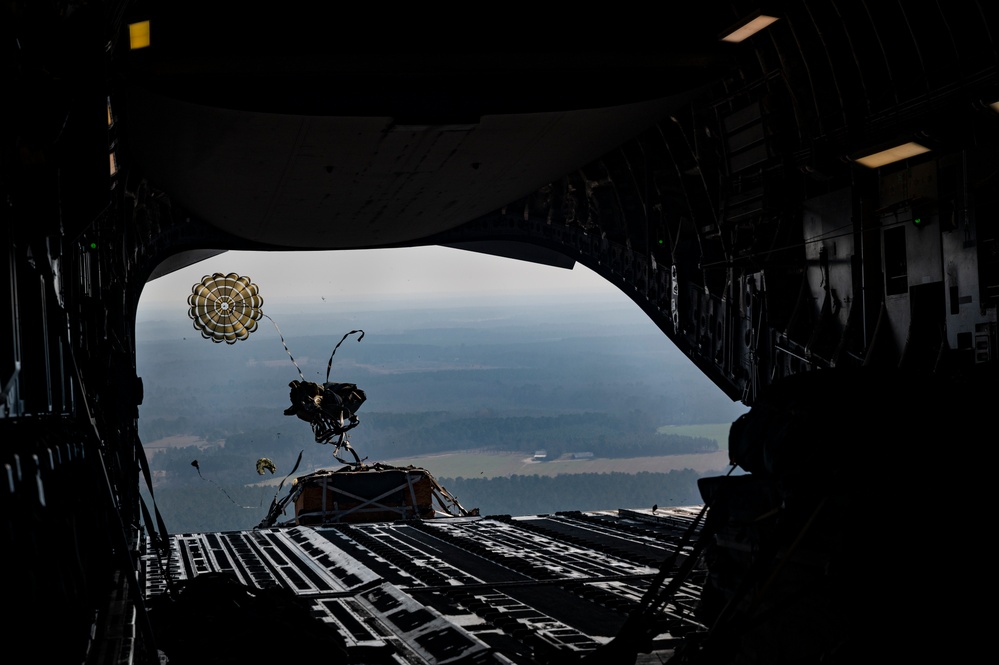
(225, 308)
(264, 463)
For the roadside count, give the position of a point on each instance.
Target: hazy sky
(412, 274)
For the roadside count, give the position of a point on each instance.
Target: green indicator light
(93, 245)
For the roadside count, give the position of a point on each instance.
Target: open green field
(496, 464)
(492, 464)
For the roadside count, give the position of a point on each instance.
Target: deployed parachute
(225, 308)
(265, 464)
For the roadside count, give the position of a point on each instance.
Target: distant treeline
(605, 435)
(394, 436)
(212, 507)
(532, 495)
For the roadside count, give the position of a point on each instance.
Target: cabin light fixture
(994, 106)
(138, 35)
(882, 157)
(747, 27)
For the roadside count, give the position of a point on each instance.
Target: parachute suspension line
(277, 506)
(220, 488)
(289, 352)
(329, 365)
(293, 470)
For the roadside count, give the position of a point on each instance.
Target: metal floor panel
(482, 589)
